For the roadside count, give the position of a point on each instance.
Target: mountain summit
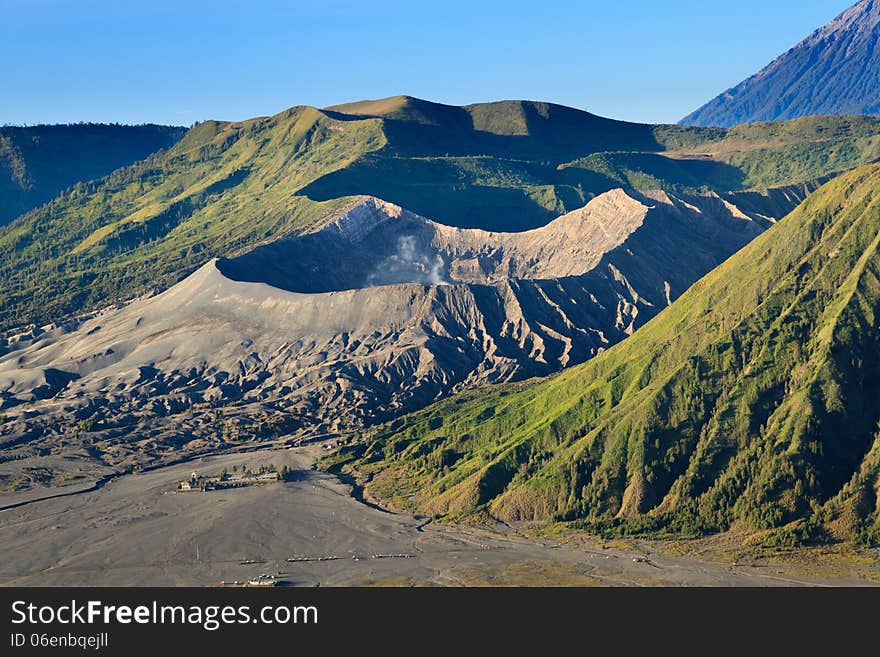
(835, 70)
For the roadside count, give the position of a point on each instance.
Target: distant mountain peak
(857, 25)
(864, 15)
(835, 70)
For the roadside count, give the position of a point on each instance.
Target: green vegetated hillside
(509, 166)
(38, 162)
(223, 187)
(515, 165)
(752, 400)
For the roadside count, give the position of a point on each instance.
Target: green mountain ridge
(508, 166)
(750, 401)
(516, 165)
(514, 129)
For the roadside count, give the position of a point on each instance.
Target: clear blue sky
(179, 62)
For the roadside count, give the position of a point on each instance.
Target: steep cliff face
(376, 313)
(836, 70)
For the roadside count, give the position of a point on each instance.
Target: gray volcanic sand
(136, 531)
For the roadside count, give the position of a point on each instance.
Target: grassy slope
(221, 188)
(515, 165)
(37, 163)
(492, 165)
(752, 399)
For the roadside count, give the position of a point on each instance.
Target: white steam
(410, 263)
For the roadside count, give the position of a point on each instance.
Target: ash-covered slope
(836, 70)
(378, 312)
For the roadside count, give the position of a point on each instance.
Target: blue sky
(181, 62)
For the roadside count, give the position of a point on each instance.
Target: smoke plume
(409, 263)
